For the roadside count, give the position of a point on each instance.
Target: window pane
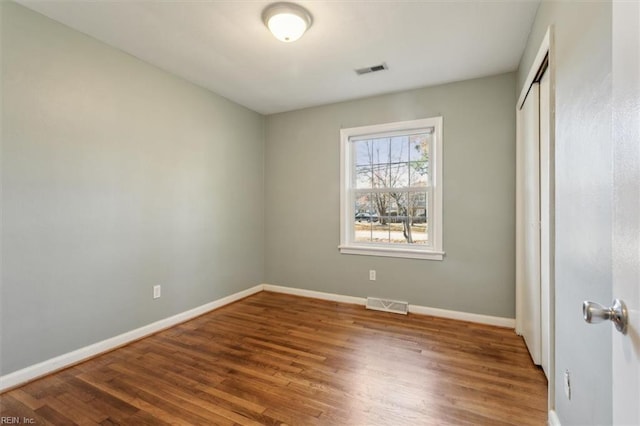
(363, 152)
(418, 205)
(363, 178)
(380, 233)
(419, 233)
(419, 173)
(381, 175)
(380, 151)
(380, 227)
(390, 208)
(419, 146)
(399, 175)
(363, 218)
(419, 217)
(399, 149)
(397, 218)
(380, 204)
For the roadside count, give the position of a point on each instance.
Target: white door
(546, 225)
(626, 206)
(534, 221)
(529, 147)
(625, 348)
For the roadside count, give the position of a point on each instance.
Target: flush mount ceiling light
(286, 21)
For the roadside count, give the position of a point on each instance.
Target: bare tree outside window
(392, 185)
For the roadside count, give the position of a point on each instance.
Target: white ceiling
(224, 46)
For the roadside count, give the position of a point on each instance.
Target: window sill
(393, 252)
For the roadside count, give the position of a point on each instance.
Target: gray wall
(116, 176)
(583, 200)
(302, 199)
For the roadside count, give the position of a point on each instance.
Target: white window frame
(347, 213)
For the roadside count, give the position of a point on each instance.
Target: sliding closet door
(529, 151)
(546, 224)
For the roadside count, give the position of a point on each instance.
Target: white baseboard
(49, 366)
(553, 418)
(416, 309)
(463, 316)
(315, 294)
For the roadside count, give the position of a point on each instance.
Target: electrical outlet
(567, 384)
(156, 291)
(372, 274)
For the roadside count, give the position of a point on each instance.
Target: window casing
(391, 189)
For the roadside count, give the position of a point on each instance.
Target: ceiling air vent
(374, 68)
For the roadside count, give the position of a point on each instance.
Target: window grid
(390, 165)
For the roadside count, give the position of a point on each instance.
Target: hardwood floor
(278, 359)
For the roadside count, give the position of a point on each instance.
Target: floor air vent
(385, 305)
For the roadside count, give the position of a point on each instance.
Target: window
(391, 189)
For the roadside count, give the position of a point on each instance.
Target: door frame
(546, 51)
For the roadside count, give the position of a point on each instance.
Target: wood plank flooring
(274, 359)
